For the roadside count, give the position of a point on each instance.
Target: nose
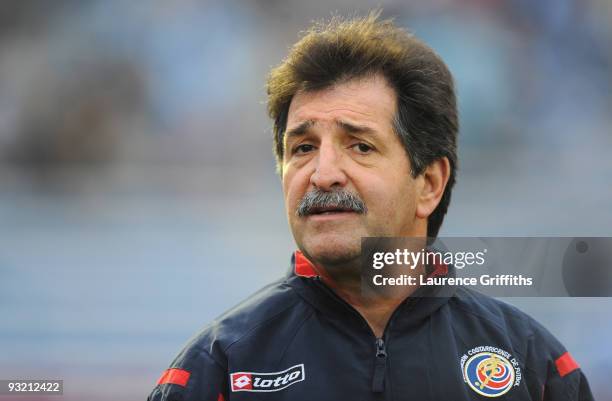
(329, 172)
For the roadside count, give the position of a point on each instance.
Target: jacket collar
(302, 267)
(303, 278)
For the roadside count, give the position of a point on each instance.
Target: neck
(376, 309)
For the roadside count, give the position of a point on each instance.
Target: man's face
(342, 139)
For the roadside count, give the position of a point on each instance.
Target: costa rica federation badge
(490, 371)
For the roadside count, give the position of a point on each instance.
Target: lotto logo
(242, 381)
(266, 382)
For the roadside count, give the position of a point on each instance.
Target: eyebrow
(300, 129)
(355, 129)
(345, 126)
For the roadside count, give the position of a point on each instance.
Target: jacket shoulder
(551, 373)
(199, 371)
(273, 305)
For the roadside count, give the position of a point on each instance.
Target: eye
(303, 148)
(363, 148)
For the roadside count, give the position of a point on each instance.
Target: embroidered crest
(490, 371)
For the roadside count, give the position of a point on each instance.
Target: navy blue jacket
(297, 340)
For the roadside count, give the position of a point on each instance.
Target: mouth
(326, 211)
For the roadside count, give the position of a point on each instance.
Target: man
(365, 125)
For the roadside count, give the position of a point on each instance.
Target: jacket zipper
(378, 381)
(380, 361)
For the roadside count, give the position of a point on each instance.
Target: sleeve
(193, 376)
(552, 372)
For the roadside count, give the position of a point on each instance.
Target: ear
(434, 180)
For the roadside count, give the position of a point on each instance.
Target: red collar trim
(439, 270)
(303, 267)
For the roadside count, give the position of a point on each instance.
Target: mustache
(337, 199)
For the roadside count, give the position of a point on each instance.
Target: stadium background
(138, 196)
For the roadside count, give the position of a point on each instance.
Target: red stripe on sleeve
(221, 397)
(566, 364)
(174, 376)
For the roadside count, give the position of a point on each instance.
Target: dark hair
(340, 50)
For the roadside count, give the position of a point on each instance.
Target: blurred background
(138, 195)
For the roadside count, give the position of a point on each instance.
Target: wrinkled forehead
(360, 101)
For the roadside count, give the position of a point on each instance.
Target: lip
(327, 216)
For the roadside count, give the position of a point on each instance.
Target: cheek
(295, 184)
(391, 197)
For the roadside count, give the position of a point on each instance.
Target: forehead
(364, 100)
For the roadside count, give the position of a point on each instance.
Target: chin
(329, 250)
